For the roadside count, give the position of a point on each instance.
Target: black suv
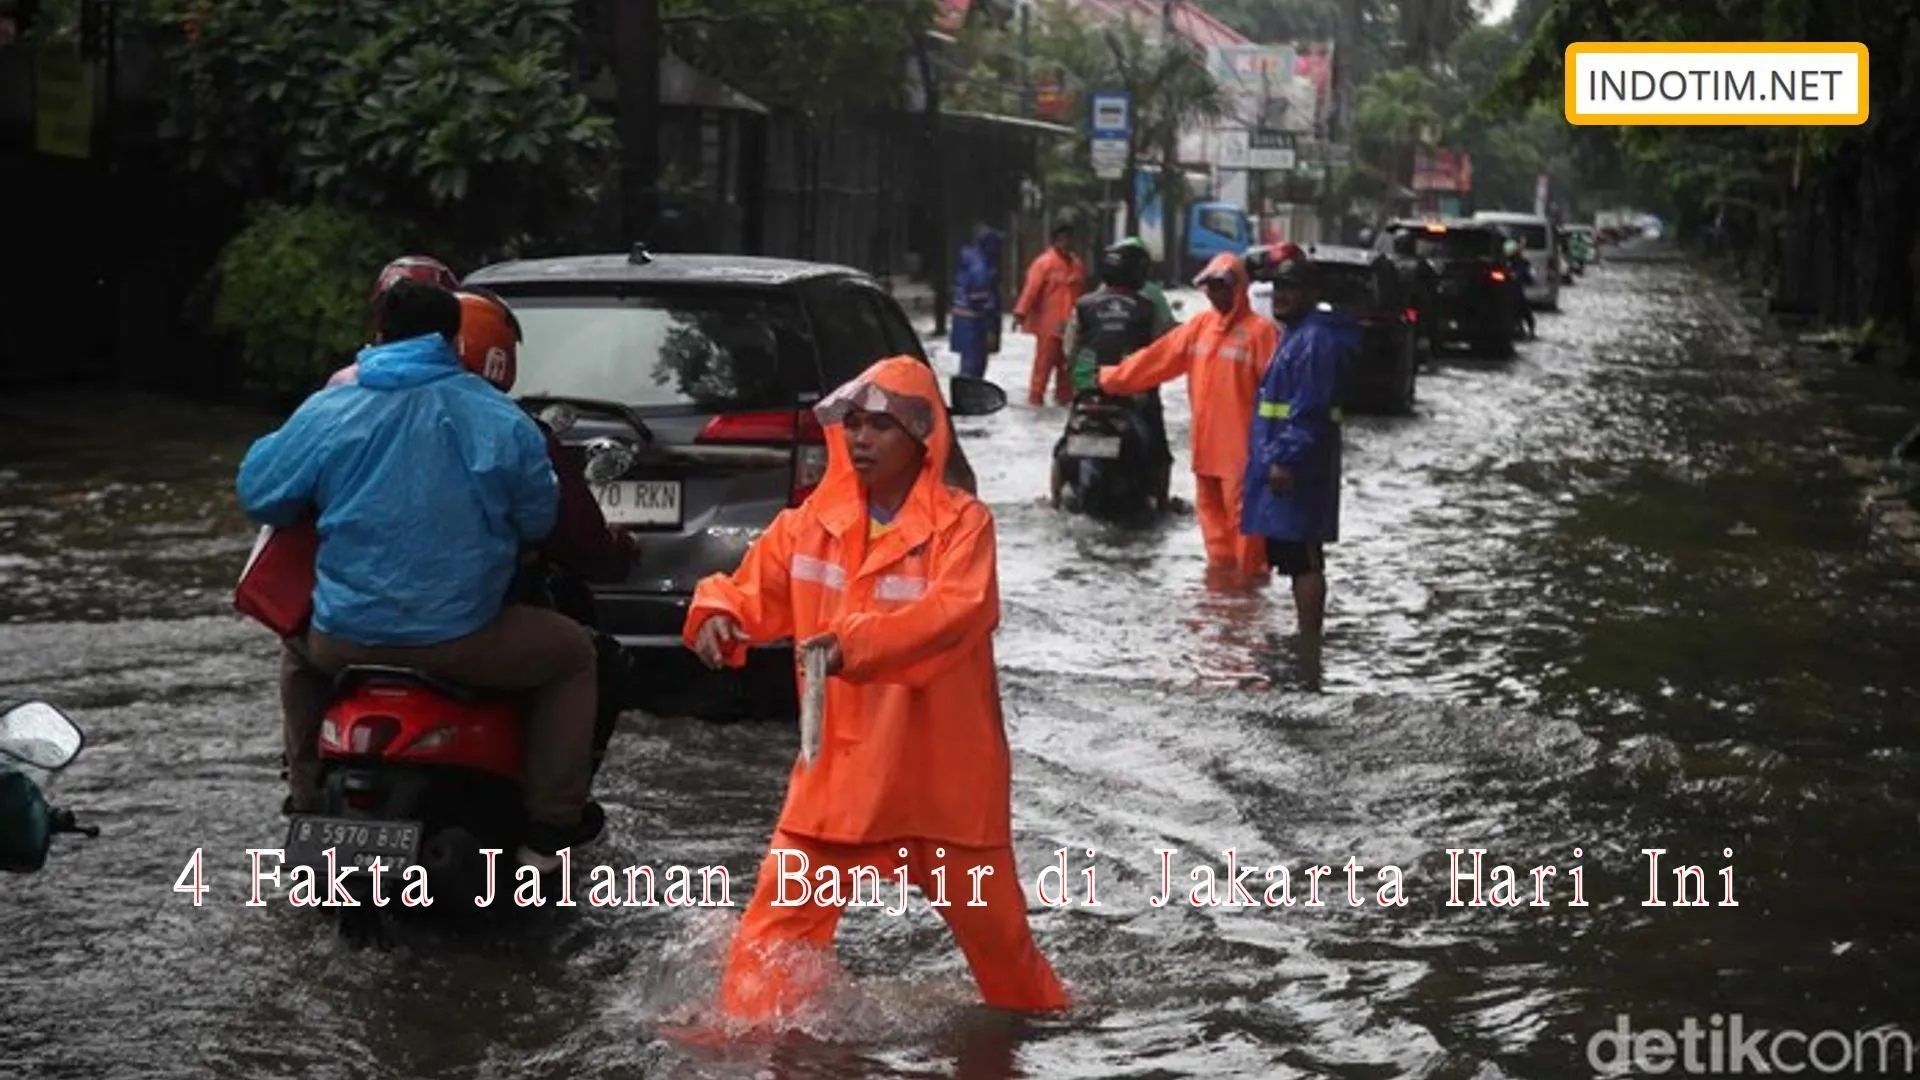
(685, 382)
(1466, 293)
(1366, 286)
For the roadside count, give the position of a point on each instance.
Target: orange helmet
(489, 337)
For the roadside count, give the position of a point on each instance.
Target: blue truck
(1211, 226)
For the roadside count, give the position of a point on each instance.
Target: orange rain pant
(1050, 358)
(1007, 966)
(1216, 502)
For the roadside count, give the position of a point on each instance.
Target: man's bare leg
(1310, 603)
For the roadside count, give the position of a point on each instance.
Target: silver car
(685, 383)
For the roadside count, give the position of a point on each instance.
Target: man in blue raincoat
(1293, 462)
(975, 316)
(426, 483)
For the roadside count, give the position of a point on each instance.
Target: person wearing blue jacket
(425, 484)
(1292, 483)
(975, 315)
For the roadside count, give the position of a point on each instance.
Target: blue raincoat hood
(409, 362)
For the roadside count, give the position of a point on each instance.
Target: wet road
(1612, 595)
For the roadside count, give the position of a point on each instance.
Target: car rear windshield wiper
(594, 405)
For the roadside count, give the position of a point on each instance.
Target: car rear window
(1347, 287)
(1452, 244)
(703, 349)
(1531, 237)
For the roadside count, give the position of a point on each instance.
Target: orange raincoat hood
(907, 390)
(1228, 265)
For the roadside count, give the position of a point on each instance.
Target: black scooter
(1103, 464)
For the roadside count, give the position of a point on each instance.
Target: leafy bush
(462, 111)
(292, 288)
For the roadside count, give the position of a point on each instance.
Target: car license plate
(356, 842)
(639, 502)
(1093, 446)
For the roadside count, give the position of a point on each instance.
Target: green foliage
(813, 56)
(1170, 86)
(456, 110)
(292, 288)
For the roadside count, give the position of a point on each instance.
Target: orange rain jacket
(912, 742)
(1054, 284)
(1223, 358)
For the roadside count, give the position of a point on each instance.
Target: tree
(458, 113)
(1170, 88)
(814, 57)
(1839, 197)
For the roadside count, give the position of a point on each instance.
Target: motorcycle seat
(355, 676)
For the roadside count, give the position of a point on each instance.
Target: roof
(664, 267)
(1188, 20)
(1340, 253)
(962, 118)
(1451, 224)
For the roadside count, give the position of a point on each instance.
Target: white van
(1541, 247)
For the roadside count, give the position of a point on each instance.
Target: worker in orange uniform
(893, 572)
(1223, 352)
(1055, 280)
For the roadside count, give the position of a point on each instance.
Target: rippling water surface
(1611, 595)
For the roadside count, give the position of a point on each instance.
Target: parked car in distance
(686, 384)
(1464, 292)
(1540, 244)
(1366, 286)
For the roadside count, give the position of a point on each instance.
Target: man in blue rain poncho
(425, 483)
(1292, 483)
(976, 303)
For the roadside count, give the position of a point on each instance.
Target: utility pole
(934, 187)
(1346, 34)
(1170, 237)
(637, 46)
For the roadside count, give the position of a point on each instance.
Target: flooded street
(1614, 594)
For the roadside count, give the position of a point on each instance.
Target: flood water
(1612, 595)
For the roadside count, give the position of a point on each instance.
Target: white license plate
(639, 502)
(1094, 446)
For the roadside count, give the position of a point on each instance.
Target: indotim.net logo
(1732, 1046)
(1716, 83)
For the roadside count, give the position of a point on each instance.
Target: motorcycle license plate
(356, 842)
(1093, 446)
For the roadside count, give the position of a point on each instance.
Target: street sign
(1230, 149)
(1273, 150)
(1112, 129)
(1109, 158)
(1112, 114)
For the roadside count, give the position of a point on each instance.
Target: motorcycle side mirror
(40, 735)
(975, 397)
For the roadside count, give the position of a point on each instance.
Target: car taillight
(1498, 275)
(1412, 315)
(797, 428)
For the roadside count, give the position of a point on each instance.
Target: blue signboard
(1112, 114)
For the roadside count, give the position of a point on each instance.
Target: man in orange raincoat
(894, 572)
(1055, 280)
(1223, 352)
